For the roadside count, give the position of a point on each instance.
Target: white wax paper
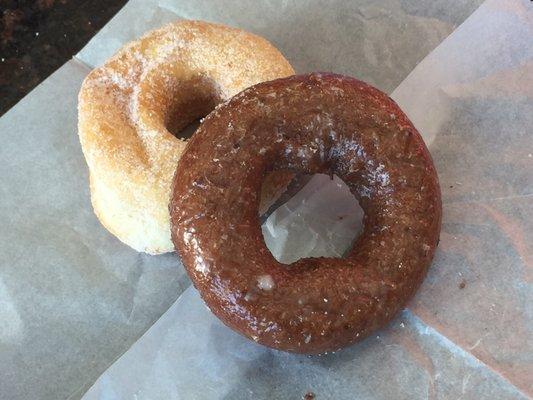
(468, 333)
(378, 42)
(189, 354)
(321, 219)
(73, 298)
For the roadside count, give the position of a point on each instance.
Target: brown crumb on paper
(309, 396)
(462, 285)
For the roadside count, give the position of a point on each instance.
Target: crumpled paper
(189, 354)
(321, 219)
(468, 332)
(73, 298)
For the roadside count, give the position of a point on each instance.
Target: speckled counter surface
(37, 37)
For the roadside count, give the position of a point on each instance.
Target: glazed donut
(150, 88)
(317, 123)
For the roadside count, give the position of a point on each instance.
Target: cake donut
(153, 87)
(317, 123)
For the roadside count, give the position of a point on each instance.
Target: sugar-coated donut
(317, 123)
(154, 86)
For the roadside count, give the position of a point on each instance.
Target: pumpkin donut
(317, 123)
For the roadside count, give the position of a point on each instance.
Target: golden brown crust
(165, 80)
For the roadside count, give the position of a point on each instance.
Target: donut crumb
(309, 396)
(265, 282)
(462, 285)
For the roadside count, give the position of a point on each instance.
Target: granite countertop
(38, 36)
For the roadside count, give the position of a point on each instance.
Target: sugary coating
(317, 123)
(154, 86)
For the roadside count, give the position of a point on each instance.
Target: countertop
(38, 36)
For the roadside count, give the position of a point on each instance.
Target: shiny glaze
(317, 123)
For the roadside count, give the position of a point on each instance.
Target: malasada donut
(317, 123)
(150, 88)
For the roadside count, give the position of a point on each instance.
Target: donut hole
(184, 113)
(186, 132)
(315, 216)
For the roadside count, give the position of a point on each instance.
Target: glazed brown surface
(317, 123)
